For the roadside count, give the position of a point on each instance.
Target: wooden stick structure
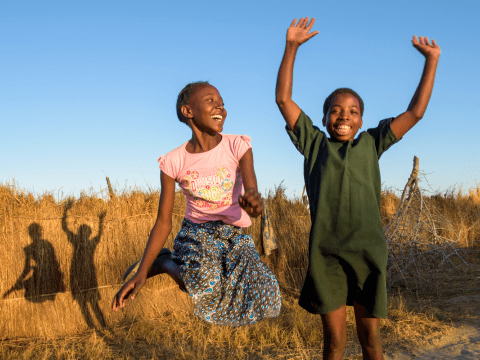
(418, 241)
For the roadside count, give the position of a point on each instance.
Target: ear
(361, 123)
(324, 120)
(186, 111)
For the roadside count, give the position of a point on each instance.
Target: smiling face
(343, 119)
(205, 110)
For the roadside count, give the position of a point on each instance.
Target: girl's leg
(368, 331)
(170, 267)
(334, 333)
(162, 264)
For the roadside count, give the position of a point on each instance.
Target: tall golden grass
(62, 262)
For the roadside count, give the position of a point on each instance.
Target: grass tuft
(63, 264)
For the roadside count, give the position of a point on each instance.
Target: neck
(201, 141)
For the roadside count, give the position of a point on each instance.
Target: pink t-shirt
(211, 181)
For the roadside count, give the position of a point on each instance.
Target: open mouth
(217, 117)
(343, 129)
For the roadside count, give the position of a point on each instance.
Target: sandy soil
(462, 344)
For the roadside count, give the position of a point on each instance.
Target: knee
(370, 338)
(335, 342)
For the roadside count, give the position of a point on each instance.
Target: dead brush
(160, 322)
(421, 240)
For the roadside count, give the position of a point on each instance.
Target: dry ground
(441, 324)
(422, 321)
(458, 302)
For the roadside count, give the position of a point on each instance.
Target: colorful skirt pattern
(224, 275)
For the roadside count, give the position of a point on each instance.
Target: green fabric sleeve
(383, 136)
(305, 135)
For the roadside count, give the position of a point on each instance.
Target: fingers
(424, 40)
(312, 34)
(299, 31)
(131, 288)
(309, 27)
(419, 41)
(303, 23)
(119, 300)
(115, 303)
(300, 22)
(252, 198)
(427, 49)
(251, 202)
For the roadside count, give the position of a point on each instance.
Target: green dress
(348, 252)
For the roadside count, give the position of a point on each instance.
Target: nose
(343, 114)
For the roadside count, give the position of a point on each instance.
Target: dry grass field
(62, 262)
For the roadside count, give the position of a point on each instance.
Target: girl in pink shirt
(212, 260)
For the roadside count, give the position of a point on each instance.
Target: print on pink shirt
(209, 192)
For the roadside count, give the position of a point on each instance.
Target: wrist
(432, 57)
(292, 45)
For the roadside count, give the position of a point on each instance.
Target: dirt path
(462, 344)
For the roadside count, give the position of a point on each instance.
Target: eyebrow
(349, 106)
(209, 94)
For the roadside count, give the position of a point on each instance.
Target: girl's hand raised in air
(299, 33)
(251, 202)
(425, 48)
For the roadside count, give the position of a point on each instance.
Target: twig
(417, 249)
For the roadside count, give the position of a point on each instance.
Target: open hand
(425, 48)
(299, 33)
(251, 202)
(129, 289)
(69, 204)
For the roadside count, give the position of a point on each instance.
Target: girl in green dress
(347, 249)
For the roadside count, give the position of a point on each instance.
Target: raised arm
(297, 34)
(100, 228)
(155, 243)
(415, 111)
(69, 233)
(251, 201)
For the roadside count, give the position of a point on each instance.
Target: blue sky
(88, 88)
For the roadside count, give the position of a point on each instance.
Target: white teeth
(219, 117)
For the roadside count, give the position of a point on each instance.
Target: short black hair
(329, 99)
(185, 96)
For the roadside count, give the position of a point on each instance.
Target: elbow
(167, 226)
(163, 224)
(281, 96)
(416, 115)
(281, 101)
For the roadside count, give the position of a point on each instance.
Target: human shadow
(83, 276)
(41, 277)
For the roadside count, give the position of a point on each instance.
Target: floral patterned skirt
(224, 275)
